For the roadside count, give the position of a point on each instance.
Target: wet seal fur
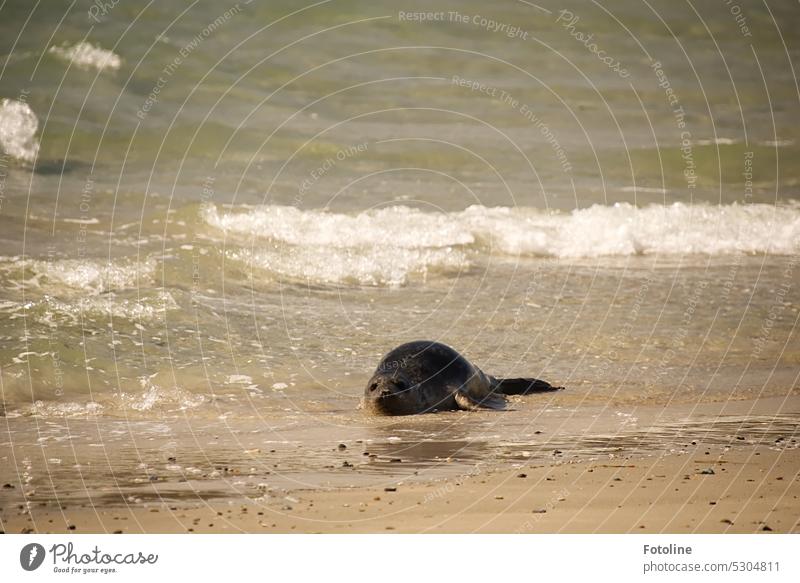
(426, 376)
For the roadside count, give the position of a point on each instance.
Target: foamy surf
(386, 246)
(87, 56)
(53, 312)
(378, 265)
(623, 229)
(151, 399)
(397, 226)
(95, 276)
(18, 125)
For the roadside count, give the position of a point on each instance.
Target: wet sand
(746, 483)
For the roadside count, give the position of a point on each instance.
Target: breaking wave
(152, 398)
(87, 56)
(18, 125)
(386, 246)
(95, 276)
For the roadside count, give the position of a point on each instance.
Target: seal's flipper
(469, 402)
(524, 386)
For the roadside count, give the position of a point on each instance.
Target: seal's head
(391, 392)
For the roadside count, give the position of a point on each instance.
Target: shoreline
(708, 488)
(707, 467)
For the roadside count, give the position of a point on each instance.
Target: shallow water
(106, 462)
(223, 216)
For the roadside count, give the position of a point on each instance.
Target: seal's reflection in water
(412, 445)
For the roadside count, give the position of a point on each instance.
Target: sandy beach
(741, 478)
(752, 489)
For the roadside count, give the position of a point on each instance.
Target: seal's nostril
(373, 386)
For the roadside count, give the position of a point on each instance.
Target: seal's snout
(377, 389)
(385, 387)
(388, 394)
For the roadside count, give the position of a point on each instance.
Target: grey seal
(426, 376)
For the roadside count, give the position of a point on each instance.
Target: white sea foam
(777, 143)
(18, 125)
(96, 276)
(623, 229)
(144, 309)
(53, 312)
(61, 409)
(154, 396)
(84, 288)
(87, 56)
(151, 398)
(716, 141)
(647, 189)
(319, 228)
(383, 247)
(380, 265)
(378, 247)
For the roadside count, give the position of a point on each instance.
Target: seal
(426, 376)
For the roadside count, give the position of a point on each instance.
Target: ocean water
(222, 215)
